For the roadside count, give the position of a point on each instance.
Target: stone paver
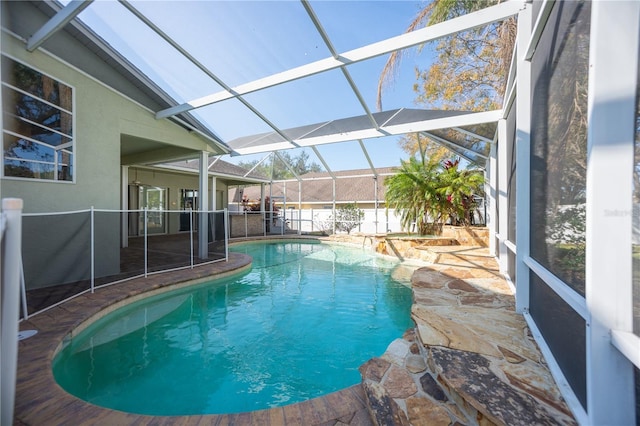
(481, 365)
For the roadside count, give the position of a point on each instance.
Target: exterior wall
(245, 224)
(100, 117)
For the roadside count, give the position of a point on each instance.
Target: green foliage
(412, 193)
(470, 68)
(278, 170)
(428, 194)
(459, 188)
(348, 217)
(568, 230)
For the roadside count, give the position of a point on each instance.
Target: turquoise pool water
(297, 326)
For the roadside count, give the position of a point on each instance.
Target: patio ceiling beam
(398, 129)
(334, 53)
(215, 160)
(415, 38)
(203, 68)
(401, 129)
(257, 164)
(472, 134)
(366, 154)
(543, 17)
(287, 165)
(324, 163)
(452, 146)
(59, 20)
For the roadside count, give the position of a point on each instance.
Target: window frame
(55, 163)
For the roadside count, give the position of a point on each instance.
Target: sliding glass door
(155, 200)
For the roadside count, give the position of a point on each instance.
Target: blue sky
(241, 41)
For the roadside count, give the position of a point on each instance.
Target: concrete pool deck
(465, 324)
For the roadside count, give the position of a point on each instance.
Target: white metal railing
(11, 234)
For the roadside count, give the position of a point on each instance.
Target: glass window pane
(559, 143)
(22, 109)
(18, 148)
(37, 84)
(28, 169)
(22, 127)
(565, 333)
(37, 135)
(65, 165)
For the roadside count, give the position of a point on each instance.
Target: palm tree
(459, 188)
(413, 193)
(428, 194)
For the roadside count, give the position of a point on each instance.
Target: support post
(502, 195)
(262, 212)
(523, 155)
(333, 207)
(613, 79)
(124, 193)
(299, 207)
(203, 203)
(491, 189)
(375, 189)
(214, 188)
(146, 241)
(93, 249)
(11, 255)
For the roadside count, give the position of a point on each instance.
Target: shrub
(348, 217)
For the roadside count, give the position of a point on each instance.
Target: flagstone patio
(471, 358)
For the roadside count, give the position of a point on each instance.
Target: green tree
(430, 193)
(459, 188)
(412, 193)
(348, 217)
(470, 68)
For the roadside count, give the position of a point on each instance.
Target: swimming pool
(297, 326)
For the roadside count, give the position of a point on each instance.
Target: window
(37, 124)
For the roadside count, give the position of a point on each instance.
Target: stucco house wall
(101, 118)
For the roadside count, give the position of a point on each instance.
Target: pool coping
(40, 400)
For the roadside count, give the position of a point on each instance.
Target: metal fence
(320, 221)
(65, 254)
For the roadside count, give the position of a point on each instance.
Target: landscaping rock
(383, 409)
